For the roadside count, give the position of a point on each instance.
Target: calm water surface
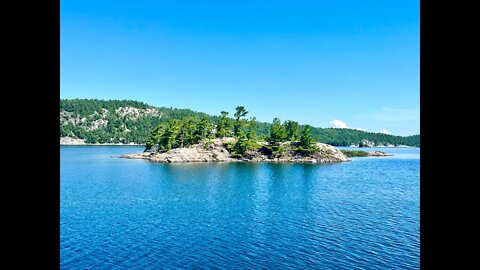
(120, 213)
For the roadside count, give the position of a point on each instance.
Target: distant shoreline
(64, 141)
(356, 147)
(121, 144)
(101, 144)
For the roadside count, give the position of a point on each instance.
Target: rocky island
(358, 153)
(194, 139)
(379, 154)
(217, 150)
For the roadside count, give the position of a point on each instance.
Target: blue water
(121, 213)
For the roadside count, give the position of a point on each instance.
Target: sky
(327, 63)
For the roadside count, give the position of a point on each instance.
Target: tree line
(122, 129)
(177, 133)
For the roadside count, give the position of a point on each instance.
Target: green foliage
(241, 145)
(119, 128)
(149, 145)
(138, 130)
(355, 153)
(245, 140)
(180, 133)
(201, 130)
(168, 138)
(186, 133)
(85, 107)
(252, 135)
(239, 123)
(207, 144)
(211, 131)
(291, 127)
(263, 138)
(347, 137)
(229, 146)
(306, 144)
(240, 112)
(278, 132)
(276, 150)
(224, 127)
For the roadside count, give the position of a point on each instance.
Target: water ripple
(119, 214)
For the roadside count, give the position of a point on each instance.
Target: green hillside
(126, 121)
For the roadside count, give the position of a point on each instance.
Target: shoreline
(217, 151)
(121, 144)
(101, 144)
(64, 141)
(405, 146)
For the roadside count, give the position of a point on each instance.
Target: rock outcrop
(216, 151)
(71, 141)
(76, 141)
(379, 154)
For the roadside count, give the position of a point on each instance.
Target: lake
(123, 213)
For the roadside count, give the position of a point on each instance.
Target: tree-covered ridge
(126, 121)
(85, 107)
(115, 121)
(348, 137)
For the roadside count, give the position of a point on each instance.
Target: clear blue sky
(357, 62)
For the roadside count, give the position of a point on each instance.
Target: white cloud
(338, 124)
(384, 131)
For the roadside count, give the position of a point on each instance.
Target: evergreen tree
(240, 112)
(291, 127)
(210, 131)
(149, 145)
(168, 138)
(278, 134)
(306, 145)
(224, 127)
(201, 130)
(239, 123)
(241, 145)
(252, 135)
(187, 128)
(154, 137)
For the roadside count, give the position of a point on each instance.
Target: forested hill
(126, 121)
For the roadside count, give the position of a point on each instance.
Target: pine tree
(240, 112)
(154, 137)
(168, 138)
(278, 134)
(291, 127)
(224, 125)
(252, 135)
(239, 123)
(241, 145)
(306, 145)
(185, 135)
(201, 130)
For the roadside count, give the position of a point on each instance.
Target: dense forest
(127, 121)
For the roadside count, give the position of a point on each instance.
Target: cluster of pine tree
(192, 130)
(301, 142)
(180, 133)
